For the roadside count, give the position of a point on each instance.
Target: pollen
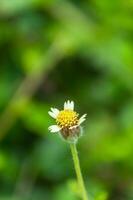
(67, 118)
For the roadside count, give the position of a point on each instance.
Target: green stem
(78, 171)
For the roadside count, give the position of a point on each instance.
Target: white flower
(67, 120)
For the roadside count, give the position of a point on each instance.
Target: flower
(68, 123)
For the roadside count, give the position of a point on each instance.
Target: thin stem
(78, 171)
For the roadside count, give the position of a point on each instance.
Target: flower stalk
(78, 171)
(68, 126)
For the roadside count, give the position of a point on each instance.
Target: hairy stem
(78, 171)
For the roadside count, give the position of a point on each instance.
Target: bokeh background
(52, 51)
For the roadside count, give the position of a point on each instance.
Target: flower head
(68, 122)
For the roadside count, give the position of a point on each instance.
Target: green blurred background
(52, 51)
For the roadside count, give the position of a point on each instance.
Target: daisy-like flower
(68, 122)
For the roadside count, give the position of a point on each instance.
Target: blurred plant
(69, 128)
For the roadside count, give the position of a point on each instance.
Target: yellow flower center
(67, 118)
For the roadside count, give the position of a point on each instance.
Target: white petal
(54, 128)
(82, 119)
(69, 105)
(73, 127)
(55, 111)
(66, 105)
(72, 105)
(52, 114)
